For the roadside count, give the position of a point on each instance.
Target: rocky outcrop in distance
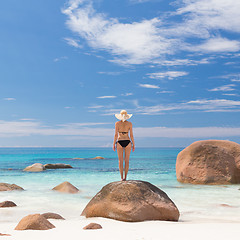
(132, 201)
(36, 167)
(209, 162)
(57, 165)
(97, 157)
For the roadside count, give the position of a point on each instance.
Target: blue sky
(68, 66)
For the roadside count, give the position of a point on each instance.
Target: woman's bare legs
(120, 159)
(127, 155)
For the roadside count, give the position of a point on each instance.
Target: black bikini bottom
(124, 143)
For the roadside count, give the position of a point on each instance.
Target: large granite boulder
(57, 165)
(7, 204)
(9, 187)
(132, 201)
(36, 167)
(209, 162)
(66, 187)
(34, 222)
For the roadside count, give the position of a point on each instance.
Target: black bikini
(124, 143)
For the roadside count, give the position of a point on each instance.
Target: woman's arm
(132, 138)
(115, 137)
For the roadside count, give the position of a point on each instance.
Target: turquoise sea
(155, 165)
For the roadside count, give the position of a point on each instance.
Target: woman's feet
(123, 179)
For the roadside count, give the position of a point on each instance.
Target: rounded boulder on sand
(209, 162)
(34, 222)
(132, 201)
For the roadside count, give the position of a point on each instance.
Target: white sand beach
(73, 229)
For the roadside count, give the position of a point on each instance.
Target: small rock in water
(34, 222)
(36, 167)
(9, 187)
(98, 157)
(57, 165)
(66, 187)
(92, 226)
(50, 215)
(7, 204)
(226, 205)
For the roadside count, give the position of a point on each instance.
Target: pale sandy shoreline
(73, 229)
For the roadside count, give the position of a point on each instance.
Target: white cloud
(73, 42)
(216, 44)
(19, 129)
(106, 97)
(110, 73)
(166, 91)
(182, 62)
(67, 107)
(169, 74)
(198, 132)
(199, 105)
(205, 105)
(148, 86)
(76, 125)
(129, 43)
(139, 1)
(60, 58)
(224, 88)
(9, 99)
(211, 14)
(230, 94)
(96, 106)
(234, 77)
(27, 119)
(152, 40)
(126, 94)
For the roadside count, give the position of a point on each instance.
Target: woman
(122, 141)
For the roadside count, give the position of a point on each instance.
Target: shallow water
(156, 165)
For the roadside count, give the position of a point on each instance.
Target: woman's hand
(114, 147)
(133, 147)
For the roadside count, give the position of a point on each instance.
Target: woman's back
(123, 129)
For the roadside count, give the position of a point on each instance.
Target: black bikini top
(123, 132)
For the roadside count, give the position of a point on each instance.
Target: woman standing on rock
(122, 141)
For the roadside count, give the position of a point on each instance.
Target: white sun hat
(123, 115)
